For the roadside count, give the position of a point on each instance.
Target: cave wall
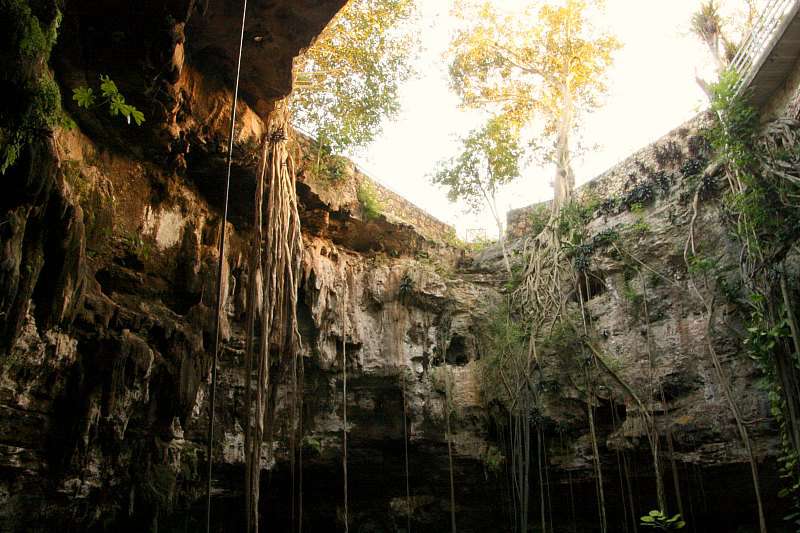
(107, 281)
(641, 303)
(109, 261)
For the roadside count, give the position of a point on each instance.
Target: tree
(488, 159)
(721, 35)
(707, 25)
(542, 67)
(348, 81)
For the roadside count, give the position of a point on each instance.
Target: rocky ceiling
(274, 33)
(143, 44)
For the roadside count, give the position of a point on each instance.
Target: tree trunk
(564, 182)
(502, 238)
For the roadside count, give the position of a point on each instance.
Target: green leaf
(655, 513)
(348, 82)
(680, 525)
(84, 96)
(108, 87)
(648, 519)
(117, 106)
(138, 116)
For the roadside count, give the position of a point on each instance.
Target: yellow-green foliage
(504, 357)
(334, 168)
(110, 96)
(312, 444)
(368, 198)
(348, 81)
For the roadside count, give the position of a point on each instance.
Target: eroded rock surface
(107, 284)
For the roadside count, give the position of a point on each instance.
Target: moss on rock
(32, 103)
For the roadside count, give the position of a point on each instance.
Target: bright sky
(652, 90)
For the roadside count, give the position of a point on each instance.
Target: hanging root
(344, 403)
(709, 304)
(542, 300)
(275, 258)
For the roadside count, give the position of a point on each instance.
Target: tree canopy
(488, 158)
(348, 81)
(539, 69)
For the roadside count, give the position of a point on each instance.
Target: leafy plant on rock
(31, 105)
(86, 98)
(760, 164)
(406, 287)
(371, 207)
(662, 522)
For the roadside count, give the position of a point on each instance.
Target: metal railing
(758, 43)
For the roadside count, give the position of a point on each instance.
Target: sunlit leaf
(138, 116)
(347, 83)
(107, 87)
(541, 68)
(84, 96)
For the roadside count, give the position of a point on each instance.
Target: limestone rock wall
(341, 191)
(647, 316)
(107, 282)
(681, 146)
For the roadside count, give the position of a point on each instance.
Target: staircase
(770, 51)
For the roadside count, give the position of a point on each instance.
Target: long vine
(762, 204)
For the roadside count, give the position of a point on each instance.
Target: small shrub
(573, 218)
(663, 181)
(335, 168)
(605, 237)
(312, 444)
(669, 154)
(493, 459)
(699, 265)
(326, 166)
(371, 207)
(693, 167)
(609, 206)
(660, 521)
(582, 257)
(640, 228)
(708, 187)
(539, 216)
(641, 194)
(698, 146)
(406, 286)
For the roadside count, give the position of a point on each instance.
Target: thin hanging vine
(404, 289)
